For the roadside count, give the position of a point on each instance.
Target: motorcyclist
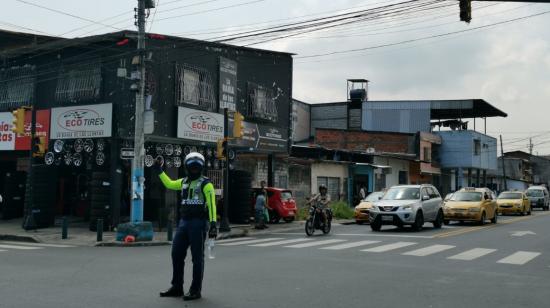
(322, 200)
(197, 208)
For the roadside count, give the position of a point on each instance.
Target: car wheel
(418, 221)
(482, 219)
(376, 225)
(326, 228)
(438, 220)
(495, 218)
(310, 229)
(446, 222)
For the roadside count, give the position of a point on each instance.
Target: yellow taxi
(362, 210)
(471, 204)
(513, 202)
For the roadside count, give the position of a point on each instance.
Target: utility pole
(224, 223)
(503, 165)
(138, 178)
(531, 146)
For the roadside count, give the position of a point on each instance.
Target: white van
(538, 196)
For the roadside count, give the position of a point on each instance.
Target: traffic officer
(197, 208)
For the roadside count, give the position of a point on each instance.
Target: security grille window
(477, 147)
(78, 82)
(194, 87)
(261, 104)
(332, 184)
(17, 86)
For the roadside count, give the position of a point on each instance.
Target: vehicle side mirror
(380, 198)
(424, 198)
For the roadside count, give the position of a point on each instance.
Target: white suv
(408, 205)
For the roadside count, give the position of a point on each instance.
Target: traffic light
(39, 146)
(18, 121)
(465, 10)
(238, 125)
(221, 149)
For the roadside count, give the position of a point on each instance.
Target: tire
(327, 227)
(376, 225)
(288, 219)
(446, 222)
(310, 229)
(438, 220)
(418, 221)
(495, 218)
(482, 218)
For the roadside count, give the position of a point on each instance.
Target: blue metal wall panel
(398, 116)
(457, 150)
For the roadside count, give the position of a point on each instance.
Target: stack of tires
(100, 200)
(40, 206)
(240, 190)
(13, 194)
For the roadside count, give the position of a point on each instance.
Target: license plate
(290, 213)
(387, 218)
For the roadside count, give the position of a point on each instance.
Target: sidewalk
(79, 234)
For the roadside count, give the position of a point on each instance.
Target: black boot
(172, 292)
(191, 296)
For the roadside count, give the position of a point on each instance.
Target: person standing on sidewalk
(197, 208)
(259, 208)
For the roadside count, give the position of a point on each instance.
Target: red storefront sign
(23, 142)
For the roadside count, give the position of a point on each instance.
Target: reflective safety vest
(193, 202)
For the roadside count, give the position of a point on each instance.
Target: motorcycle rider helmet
(194, 163)
(322, 187)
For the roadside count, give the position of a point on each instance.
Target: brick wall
(360, 141)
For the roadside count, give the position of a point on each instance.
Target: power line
(212, 10)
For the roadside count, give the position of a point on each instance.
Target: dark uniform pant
(190, 232)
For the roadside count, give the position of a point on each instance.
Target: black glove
(157, 166)
(213, 231)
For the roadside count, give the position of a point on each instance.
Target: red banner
(23, 142)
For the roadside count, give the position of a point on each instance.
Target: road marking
(252, 241)
(430, 250)
(281, 242)
(472, 254)
(522, 233)
(317, 243)
(19, 247)
(350, 245)
(229, 240)
(36, 244)
(389, 247)
(2, 250)
(519, 258)
(363, 234)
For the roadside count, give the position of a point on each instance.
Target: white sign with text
(199, 125)
(90, 121)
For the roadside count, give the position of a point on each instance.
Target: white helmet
(194, 158)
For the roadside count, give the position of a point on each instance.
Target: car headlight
(474, 209)
(373, 208)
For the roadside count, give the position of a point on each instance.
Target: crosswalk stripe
(472, 254)
(36, 244)
(316, 243)
(350, 245)
(430, 250)
(252, 241)
(2, 250)
(281, 242)
(519, 258)
(389, 247)
(229, 240)
(19, 247)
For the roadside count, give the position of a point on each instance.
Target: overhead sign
(228, 84)
(10, 141)
(199, 125)
(261, 137)
(90, 121)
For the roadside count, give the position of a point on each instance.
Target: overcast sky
(508, 65)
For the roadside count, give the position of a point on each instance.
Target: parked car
(513, 202)
(281, 202)
(363, 208)
(471, 204)
(407, 205)
(538, 196)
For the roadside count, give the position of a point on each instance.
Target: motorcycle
(315, 220)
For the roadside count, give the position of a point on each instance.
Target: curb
(18, 238)
(134, 244)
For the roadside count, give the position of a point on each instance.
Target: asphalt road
(503, 265)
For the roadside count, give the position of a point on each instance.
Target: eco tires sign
(199, 125)
(90, 121)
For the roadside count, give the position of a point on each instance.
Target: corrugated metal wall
(329, 116)
(398, 116)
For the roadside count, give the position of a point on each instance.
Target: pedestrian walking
(259, 208)
(196, 216)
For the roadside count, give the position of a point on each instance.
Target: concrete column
(485, 178)
(469, 177)
(351, 172)
(460, 178)
(478, 178)
(270, 168)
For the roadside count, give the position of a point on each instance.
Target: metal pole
(138, 178)
(224, 224)
(99, 230)
(64, 227)
(503, 165)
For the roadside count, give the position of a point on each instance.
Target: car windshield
(286, 195)
(402, 193)
(466, 196)
(534, 193)
(375, 196)
(507, 195)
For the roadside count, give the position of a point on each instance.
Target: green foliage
(341, 210)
